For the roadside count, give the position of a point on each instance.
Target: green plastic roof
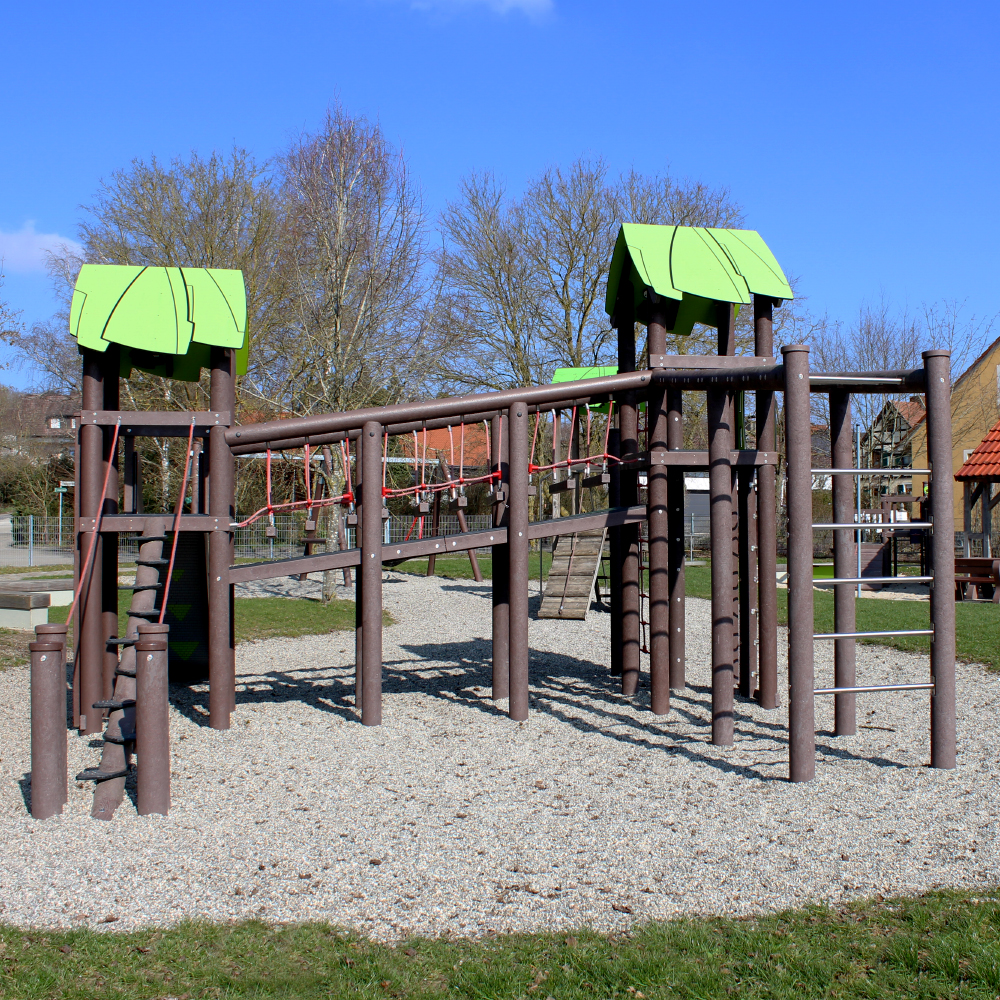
(165, 319)
(695, 266)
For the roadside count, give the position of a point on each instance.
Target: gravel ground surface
(451, 819)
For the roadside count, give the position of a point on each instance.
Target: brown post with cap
(658, 517)
(109, 539)
(675, 548)
(371, 580)
(359, 652)
(628, 552)
(48, 728)
(615, 552)
(91, 641)
(844, 563)
(801, 682)
(747, 518)
(517, 542)
(937, 367)
(767, 528)
(152, 720)
(221, 504)
(501, 562)
(720, 485)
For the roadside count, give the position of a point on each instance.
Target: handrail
(875, 688)
(873, 635)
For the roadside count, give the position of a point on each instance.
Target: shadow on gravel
(24, 783)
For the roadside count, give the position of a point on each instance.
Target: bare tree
(355, 245)
(525, 278)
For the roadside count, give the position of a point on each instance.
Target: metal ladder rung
(875, 526)
(830, 581)
(873, 635)
(875, 688)
(870, 472)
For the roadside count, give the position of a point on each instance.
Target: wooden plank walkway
(569, 588)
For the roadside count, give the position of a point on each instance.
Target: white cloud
(533, 8)
(25, 251)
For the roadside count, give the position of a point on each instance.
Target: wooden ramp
(569, 588)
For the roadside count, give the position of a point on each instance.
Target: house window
(55, 423)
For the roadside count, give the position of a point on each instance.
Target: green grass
(978, 625)
(945, 944)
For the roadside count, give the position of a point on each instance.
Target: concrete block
(24, 619)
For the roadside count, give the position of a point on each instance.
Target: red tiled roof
(984, 462)
(911, 410)
(448, 444)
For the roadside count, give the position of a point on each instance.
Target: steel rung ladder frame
(802, 691)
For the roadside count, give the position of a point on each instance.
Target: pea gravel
(451, 819)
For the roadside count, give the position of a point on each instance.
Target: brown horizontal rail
(133, 419)
(436, 545)
(137, 522)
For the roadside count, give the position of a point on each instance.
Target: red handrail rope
(97, 523)
(489, 457)
(269, 477)
(461, 457)
(180, 510)
(534, 440)
(451, 442)
(423, 462)
(607, 428)
(307, 470)
(385, 458)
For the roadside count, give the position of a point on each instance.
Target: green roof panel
(165, 319)
(701, 267)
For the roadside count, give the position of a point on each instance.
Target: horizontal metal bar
(874, 526)
(873, 635)
(871, 472)
(875, 688)
(829, 582)
(702, 361)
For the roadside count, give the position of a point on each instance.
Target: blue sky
(861, 138)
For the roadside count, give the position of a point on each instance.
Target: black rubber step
(151, 538)
(123, 642)
(153, 612)
(113, 704)
(124, 673)
(96, 774)
(141, 586)
(152, 562)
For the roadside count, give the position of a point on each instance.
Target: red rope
(534, 439)
(385, 456)
(451, 441)
(97, 523)
(180, 510)
(308, 470)
(269, 477)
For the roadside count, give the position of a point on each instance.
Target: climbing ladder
(575, 561)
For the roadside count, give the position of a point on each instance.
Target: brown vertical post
(77, 463)
(844, 563)
(720, 438)
(222, 504)
(48, 728)
(109, 539)
(937, 368)
(371, 581)
(56, 632)
(359, 652)
(628, 424)
(658, 517)
(726, 329)
(91, 641)
(152, 720)
(801, 683)
(767, 528)
(501, 563)
(517, 542)
(747, 503)
(675, 549)
(615, 553)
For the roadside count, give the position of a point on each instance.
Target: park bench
(974, 575)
